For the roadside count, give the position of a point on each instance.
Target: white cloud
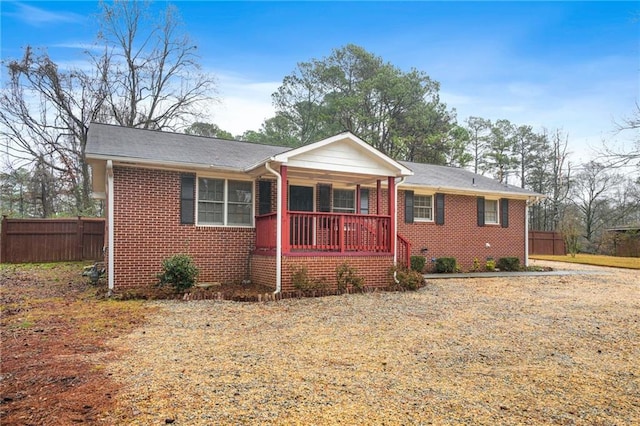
(36, 16)
(244, 104)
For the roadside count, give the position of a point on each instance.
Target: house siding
(147, 230)
(461, 237)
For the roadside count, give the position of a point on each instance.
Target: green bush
(348, 277)
(179, 271)
(490, 265)
(417, 263)
(407, 279)
(508, 264)
(446, 265)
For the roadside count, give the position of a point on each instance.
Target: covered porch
(334, 201)
(305, 230)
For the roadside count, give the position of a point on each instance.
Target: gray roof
(116, 142)
(156, 147)
(454, 178)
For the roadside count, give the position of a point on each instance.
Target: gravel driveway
(529, 350)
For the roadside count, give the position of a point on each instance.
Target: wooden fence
(51, 240)
(543, 242)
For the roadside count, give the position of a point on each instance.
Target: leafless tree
(616, 156)
(591, 194)
(148, 79)
(153, 78)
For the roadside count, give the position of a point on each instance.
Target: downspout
(530, 202)
(110, 212)
(395, 218)
(278, 229)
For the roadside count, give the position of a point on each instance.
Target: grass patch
(594, 259)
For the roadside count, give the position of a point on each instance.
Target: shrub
(303, 282)
(476, 265)
(407, 279)
(417, 263)
(508, 264)
(178, 271)
(348, 277)
(490, 265)
(446, 265)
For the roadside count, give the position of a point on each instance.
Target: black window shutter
(187, 199)
(408, 206)
(324, 197)
(264, 197)
(504, 212)
(439, 209)
(480, 211)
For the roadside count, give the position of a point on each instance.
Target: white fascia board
(473, 192)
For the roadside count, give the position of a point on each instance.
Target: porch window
(364, 201)
(344, 201)
(224, 202)
(423, 207)
(491, 211)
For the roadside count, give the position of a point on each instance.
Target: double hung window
(225, 202)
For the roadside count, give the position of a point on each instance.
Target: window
(364, 201)
(423, 207)
(344, 201)
(225, 202)
(491, 211)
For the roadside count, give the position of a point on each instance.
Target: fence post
(3, 239)
(79, 238)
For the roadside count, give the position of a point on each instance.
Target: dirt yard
(532, 350)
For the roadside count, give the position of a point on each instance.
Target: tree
(15, 195)
(478, 129)
(527, 147)
(148, 80)
(622, 157)
(590, 193)
(355, 90)
(209, 130)
(498, 157)
(550, 174)
(153, 79)
(44, 118)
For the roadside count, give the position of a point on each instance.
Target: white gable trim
(301, 153)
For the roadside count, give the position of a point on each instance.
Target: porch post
(378, 197)
(286, 241)
(392, 212)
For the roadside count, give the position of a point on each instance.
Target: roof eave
(159, 163)
(475, 191)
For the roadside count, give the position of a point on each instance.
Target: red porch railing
(266, 231)
(404, 251)
(312, 231)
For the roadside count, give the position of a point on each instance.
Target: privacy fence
(51, 240)
(57, 240)
(543, 242)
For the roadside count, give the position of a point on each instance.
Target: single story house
(246, 211)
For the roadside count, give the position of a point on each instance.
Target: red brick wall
(374, 268)
(461, 237)
(147, 230)
(263, 270)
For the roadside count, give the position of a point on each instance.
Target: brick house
(255, 212)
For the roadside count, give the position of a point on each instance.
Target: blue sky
(568, 65)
